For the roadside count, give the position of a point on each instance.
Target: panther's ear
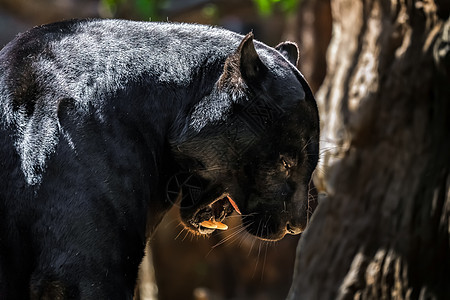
(250, 64)
(289, 50)
(244, 64)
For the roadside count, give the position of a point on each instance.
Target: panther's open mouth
(210, 217)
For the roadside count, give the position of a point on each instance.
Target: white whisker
(183, 229)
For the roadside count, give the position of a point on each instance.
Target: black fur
(97, 117)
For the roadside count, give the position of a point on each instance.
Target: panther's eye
(285, 162)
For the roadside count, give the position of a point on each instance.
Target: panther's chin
(265, 227)
(208, 218)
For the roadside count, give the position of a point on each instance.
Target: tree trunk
(383, 231)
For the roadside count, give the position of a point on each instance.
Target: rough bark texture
(383, 232)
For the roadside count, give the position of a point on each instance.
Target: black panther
(105, 123)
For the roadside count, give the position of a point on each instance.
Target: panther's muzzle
(210, 217)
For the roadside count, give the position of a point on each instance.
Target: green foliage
(109, 7)
(210, 11)
(144, 9)
(266, 7)
(149, 9)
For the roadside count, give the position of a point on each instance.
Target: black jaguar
(105, 124)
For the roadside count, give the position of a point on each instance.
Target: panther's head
(250, 146)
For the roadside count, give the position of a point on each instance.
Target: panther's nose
(292, 229)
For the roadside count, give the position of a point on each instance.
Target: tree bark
(383, 231)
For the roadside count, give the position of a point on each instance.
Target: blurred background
(228, 265)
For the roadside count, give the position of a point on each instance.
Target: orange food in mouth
(211, 224)
(236, 208)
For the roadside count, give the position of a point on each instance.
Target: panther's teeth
(209, 224)
(221, 226)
